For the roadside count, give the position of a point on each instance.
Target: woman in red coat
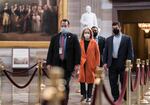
(90, 58)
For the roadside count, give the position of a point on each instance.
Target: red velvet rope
(44, 72)
(137, 80)
(107, 96)
(119, 101)
(148, 71)
(145, 76)
(142, 76)
(95, 95)
(15, 84)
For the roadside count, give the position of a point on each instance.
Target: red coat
(92, 59)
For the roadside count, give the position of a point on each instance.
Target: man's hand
(105, 67)
(48, 67)
(76, 71)
(77, 67)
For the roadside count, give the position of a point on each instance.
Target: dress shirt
(96, 38)
(65, 40)
(116, 45)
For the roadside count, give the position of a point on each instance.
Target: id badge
(60, 50)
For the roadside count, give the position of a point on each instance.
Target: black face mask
(95, 34)
(116, 31)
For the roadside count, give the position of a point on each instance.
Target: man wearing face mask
(88, 19)
(118, 49)
(64, 51)
(100, 41)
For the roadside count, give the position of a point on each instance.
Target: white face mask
(88, 9)
(64, 30)
(87, 36)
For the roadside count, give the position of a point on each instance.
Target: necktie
(62, 39)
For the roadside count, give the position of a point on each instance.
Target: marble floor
(10, 95)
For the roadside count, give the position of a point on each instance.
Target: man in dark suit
(64, 51)
(118, 48)
(101, 42)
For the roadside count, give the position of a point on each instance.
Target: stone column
(65, 8)
(62, 11)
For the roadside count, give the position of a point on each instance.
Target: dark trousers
(67, 77)
(87, 93)
(115, 71)
(101, 62)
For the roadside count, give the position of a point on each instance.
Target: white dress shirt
(116, 45)
(96, 38)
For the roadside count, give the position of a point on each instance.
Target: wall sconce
(145, 27)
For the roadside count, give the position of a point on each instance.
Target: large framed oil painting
(30, 23)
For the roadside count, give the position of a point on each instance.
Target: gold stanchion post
(1, 69)
(99, 73)
(147, 64)
(39, 79)
(143, 100)
(147, 94)
(128, 69)
(54, 94)
(138, 63)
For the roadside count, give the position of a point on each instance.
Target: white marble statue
(88, 19)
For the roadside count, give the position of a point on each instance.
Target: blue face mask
(64, 30)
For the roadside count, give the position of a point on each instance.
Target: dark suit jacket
(125, 50)
(101, 44)
(73, 52)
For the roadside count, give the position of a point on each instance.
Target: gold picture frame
(62, 13)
